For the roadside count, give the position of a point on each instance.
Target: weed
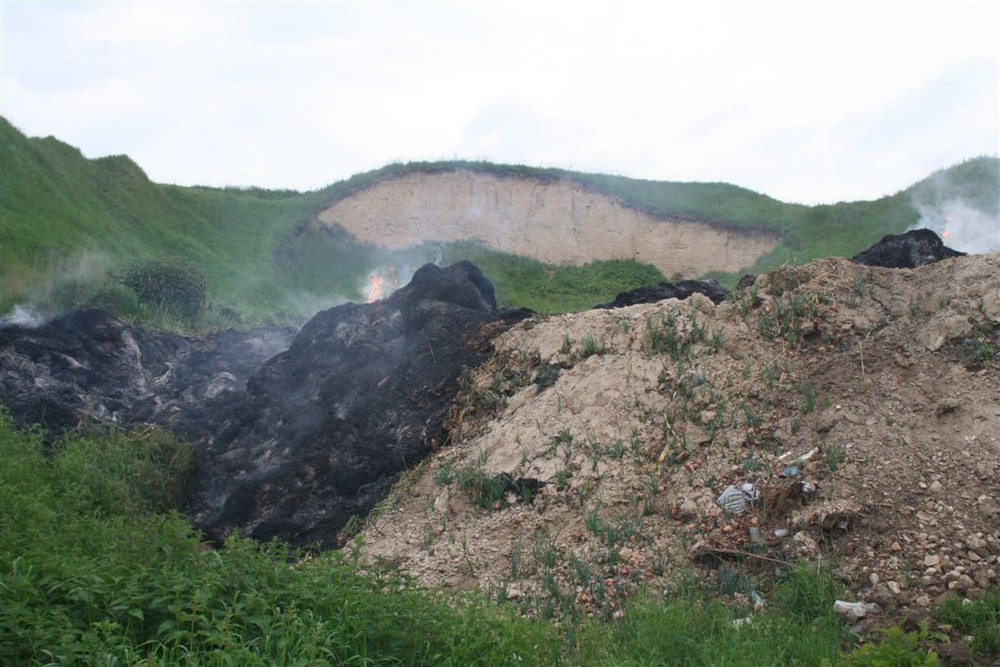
(808, 393)
(897, 647)
(562, 479)
(444, 475)
(544, 552)
(835, 456)
(567, 344)
(516, 550)
(979, 618)
(591, 346)
(487, 491)
(546, 376)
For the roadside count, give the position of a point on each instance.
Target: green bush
(168, 287)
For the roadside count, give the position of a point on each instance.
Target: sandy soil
(555, 221)
(862, 405)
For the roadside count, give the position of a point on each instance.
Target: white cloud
(804, 101)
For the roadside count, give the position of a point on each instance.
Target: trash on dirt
(792, 471)
(755, 534)
(808, 488)
(799, 459)
(734, 501)
(855, 611)
(781, 532)
(740, 622)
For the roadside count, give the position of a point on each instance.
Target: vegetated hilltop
(71, 226)
(855, 411)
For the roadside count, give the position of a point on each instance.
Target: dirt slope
(862, 404)
(556, 221)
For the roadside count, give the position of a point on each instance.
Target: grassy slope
(65, 218)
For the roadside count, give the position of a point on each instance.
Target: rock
(915, 248)
(976, 543)
(943, 328)
(803, 546)
(936, 487)
(855, 611)
(932, 560)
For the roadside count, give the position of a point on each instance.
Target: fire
(375, 289)
(381, 283)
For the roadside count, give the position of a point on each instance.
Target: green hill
(71, 228)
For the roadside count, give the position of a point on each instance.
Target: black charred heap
(360, 396)
(916, 247)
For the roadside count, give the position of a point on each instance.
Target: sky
(810, 102)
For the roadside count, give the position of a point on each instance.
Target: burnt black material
(916, 247)
(679, 290)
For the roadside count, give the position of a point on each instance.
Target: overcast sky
(804, 101)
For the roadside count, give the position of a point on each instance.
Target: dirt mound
(838, 411)
(553, 220)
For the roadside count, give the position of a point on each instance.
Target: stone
(976, 543)
(932, 560)
(936, 487)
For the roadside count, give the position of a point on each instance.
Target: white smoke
(961, 226)
(23, 315)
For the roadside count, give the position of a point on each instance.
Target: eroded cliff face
(552, 220)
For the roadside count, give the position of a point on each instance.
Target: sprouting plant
(567, 344)
(591, 346)
(835, 455)
(544, 551)
(808, 393)
(444, 475)
(515, 558)
(562, 479)
(717, 340)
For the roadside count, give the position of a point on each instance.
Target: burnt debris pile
(326, 427)
(295, 433)
(89, 369)
(917, 247)
(682, 289)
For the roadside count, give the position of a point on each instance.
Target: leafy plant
(169, 287)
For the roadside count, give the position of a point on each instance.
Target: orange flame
(376, 289)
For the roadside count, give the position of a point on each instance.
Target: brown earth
(557, 221)
(880, 386)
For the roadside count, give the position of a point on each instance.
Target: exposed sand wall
(555, 221)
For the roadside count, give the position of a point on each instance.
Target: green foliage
(979, 618)
(486, 490)
(87, 576)
(797, 628)
(896, 648)
(168, 287)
